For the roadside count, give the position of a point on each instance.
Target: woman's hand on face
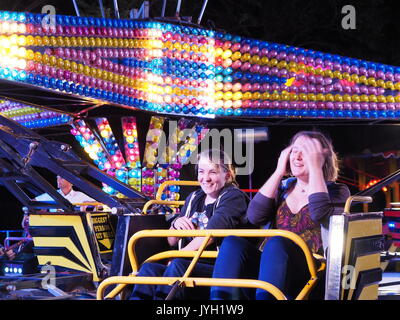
(313, 153)
(283, 160)
(183, 223)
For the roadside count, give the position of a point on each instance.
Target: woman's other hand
(283, 160)
(313, 154)
(183, 223)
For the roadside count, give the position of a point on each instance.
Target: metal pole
(102, 8)
(116, 10)
(178, 8)
(76, 8)
(163, 8)
(202, 11)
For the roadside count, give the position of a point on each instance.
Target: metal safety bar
(355, 198)
(168, 183)
(123, 281)
(160, 191)
(163, 202)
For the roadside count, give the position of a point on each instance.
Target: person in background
(301, 204)
(7, 254)
(218, 204)
(66, 190)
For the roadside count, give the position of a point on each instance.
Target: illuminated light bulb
(219, 103)
(93, 156)
(5, 42)
(227, 95)
(237, 104)
(226, 54)
(236, 55)
(236, 87)
(218, 86)
(218, 95)
(237, 95)
(88, 149)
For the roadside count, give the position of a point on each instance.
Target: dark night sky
(313, 24)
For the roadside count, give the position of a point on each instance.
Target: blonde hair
(221, 160)
(330, 168)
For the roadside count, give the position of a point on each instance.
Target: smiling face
(297, 165)
(212, 177)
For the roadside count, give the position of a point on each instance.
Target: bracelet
(173, 224)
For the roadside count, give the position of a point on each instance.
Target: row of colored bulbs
(61, 20)
(32, 117)
(131, 145)
(260, 63)
(103, 159)
(107, 156)
(166, 166)
(150, 178)
(222, 39)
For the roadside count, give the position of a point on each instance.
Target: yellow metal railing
(166, 184)
(355, 199)
(160, 191)
(149, 203)
(186, 280)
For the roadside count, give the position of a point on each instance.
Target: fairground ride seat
(76, 242)
(188, 281)
(353, 259)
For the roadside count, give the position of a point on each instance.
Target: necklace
(301, 188)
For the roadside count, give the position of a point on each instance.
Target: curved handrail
(165, 202)
(219, 233)
(160, 191)
(244, 283)
(168, 183)
(355, 198)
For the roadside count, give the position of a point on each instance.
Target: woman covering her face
(218, 204)
(301, 204)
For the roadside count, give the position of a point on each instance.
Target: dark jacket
(227, 212)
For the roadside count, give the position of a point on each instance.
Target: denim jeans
(176, 268)
(282, 263)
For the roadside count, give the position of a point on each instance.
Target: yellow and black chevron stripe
(364, 243)
(63, 241)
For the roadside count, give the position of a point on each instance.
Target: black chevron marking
(59, 231)
(363, 246)
(366, 278)
(60, 252)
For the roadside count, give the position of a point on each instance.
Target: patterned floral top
(301, 224)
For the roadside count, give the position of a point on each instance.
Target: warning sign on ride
(104, 231)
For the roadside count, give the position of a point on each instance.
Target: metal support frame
(102, 8)
(76, 8)
(142, 13)
(116, 9)
(17, 171)
(202, 11)
(178, 8)
(163, 8)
